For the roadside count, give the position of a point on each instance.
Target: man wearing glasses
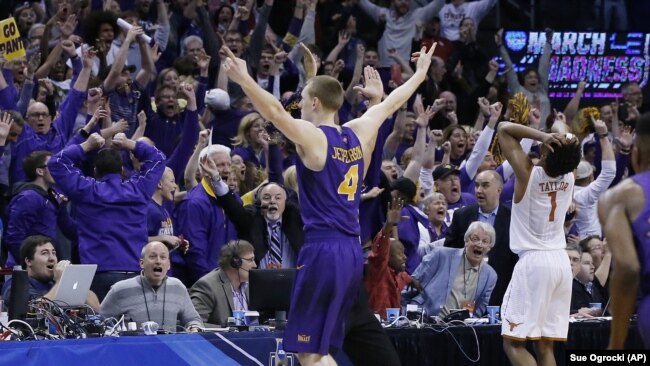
(463, 270)
(224, 290)
(488, 186)
(42, 132)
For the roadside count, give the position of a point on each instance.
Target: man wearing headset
(224, 290)
(152, 296)
(273, 226)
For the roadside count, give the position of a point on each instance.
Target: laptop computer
(74, 284)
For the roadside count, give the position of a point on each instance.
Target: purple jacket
(54, 140)
(203, 222)
(34, 211)
(167, 132)
(111, 213)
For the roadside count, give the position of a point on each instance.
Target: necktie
(589, 287)
(275, 249)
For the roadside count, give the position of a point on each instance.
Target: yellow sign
(10, 43)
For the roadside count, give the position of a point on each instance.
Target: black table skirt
(438, 347)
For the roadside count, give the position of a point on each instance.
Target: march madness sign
(603, 60)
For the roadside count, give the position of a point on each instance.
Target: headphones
(235, 259)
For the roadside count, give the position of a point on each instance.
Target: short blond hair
(328, 90)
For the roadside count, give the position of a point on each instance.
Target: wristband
(603, 135)
(84, 133)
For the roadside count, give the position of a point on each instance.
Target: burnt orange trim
(533, 338)
(554, 339)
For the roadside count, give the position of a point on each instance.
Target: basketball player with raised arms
(624, 214)
(538, 299)
(330, 174)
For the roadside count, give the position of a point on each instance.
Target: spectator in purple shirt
(40, 132)
(203, 222)
(124, 94)
(166, 124)
(111, 213)
(35, 208)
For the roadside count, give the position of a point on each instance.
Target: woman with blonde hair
(249, 143)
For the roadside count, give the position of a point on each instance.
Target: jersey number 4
(348, 186)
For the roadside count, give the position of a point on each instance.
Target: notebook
(74, 284)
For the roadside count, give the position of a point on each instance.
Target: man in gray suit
(457, 278)
(225, 289)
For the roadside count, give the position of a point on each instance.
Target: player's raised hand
(551, 139)
(373, 88)
(422, 59)
(309, 62)
(234, 67)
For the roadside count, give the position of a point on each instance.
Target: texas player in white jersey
(537, 302)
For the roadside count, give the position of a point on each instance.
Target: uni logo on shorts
(303, 338)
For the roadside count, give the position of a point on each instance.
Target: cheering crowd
(132, 139)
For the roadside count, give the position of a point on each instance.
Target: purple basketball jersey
(641, 231)
(329, 199)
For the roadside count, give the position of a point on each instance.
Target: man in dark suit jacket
(219, 292)
(254, 224)
(488, 185)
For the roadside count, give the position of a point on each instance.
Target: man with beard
(401, 22)
(272, 225)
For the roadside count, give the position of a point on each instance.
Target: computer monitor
(19, 297)
(270, 289)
